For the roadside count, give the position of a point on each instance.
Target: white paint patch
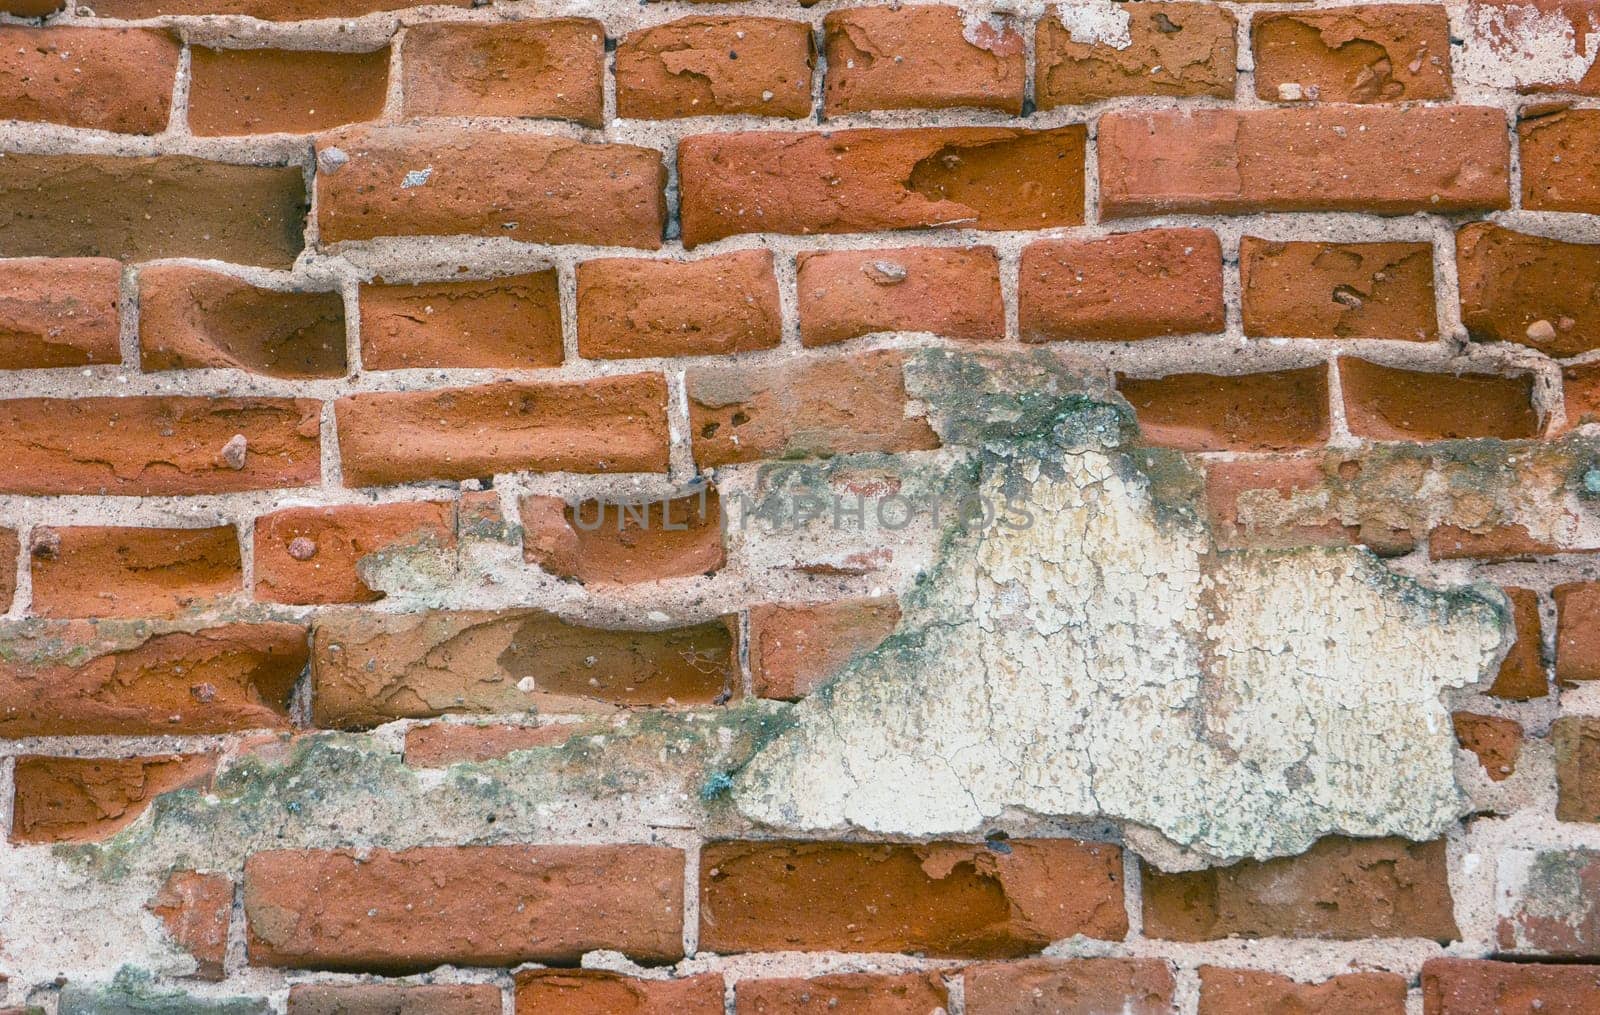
(1106, 663)
(1520, 46)
(1097, 23)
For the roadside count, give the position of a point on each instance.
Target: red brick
(1173, 49)
(394, 999)
(1530, 290)
(191, 318)
(551, 68)
(1497, 742)
(116, 79)
(1577, 632)
(716, 66)
(922, 57)
(196, 909)
(140, 209)
(1275, 411)
(794, 649)
(283, 91)
(31, 8)
(941, 899)
(438, 744)
(953, 292)
(1522, 674)
(1258, 992)
(1123, 287)
(1071, 987)
(609, 424)
(1343, 889)
(314, 554)
(1580, 386)
(1393, 404)
(621, 540)
(89, 799)
(266, 10)
(1496, 543)
(1473, 987)
(441, 180)
(153, 445)
(1249, 503)
(1559, 150)
(75, 679)
(10, 547)
(1577, 746)
(630, 307)
(511, 322)
(1389, 161)
(371, 668)
(851, 181)
(92, 571)
(803, 408)
(597, 992)
(843, 994)
(58, 312)
(1337, 290)
(1377, 53)
(406, 911)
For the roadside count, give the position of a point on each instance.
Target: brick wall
(325, 324)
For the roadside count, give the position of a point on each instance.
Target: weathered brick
(1530, 290)
(315, 554)
(551, 67)
(1259, 992)
(953, 292)
(88, 799)
(1547, 903)
(410, 910)
(266, 10)
(1337, 290)
(630, 307)
(1496, 741)
(1538, 46)
(1394, 404)
(1172, 49)
(116, 79)
(442, 180)
(1577, 745)
(793, 649)
(1123, 287)
(31, 8)
(920, 57)
(58, 312)
(75, 679)
(808, 408)
(1474, 987)
(511, 322)
(152, 445)
(1577, 632)
(1340, 888)
(1377, 53)
(1522, 674)
(191, 318)
(1495, 543)
(716, 66)
(942, 899)
(99, 571)
(196, 908)
(1248, 501)
(1071, 986)
(1558, 152)
(1385, 160)
(852, 181)
(843, 994)
(437, 744)
(371, 668)
(598, 992)
(1275, 411)
(10, 547)
(610, 424)
(140, 209)
(621, 540)
(283, 91)
(394, 999)
(1580, 391)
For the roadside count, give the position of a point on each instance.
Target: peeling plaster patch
(1524, 45)
(1097, 22)
(1548, 902)
(1109, 662)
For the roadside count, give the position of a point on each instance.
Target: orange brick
(1522, 673)
(512, 322)
(116, 79)
(710, 66)
(92, 571)
(313, 554)
(59, 312)
(1530, 290)
(89, 799)
(1495, 740)
(196, 909)
(1123, 287)
(437, 744)
(1471, 987)
(632, 307)
(1049, 986)
(266, 10)
(597, 992)
(843, 994)
(551, 68)
(1390, 403)
(1258, 992)
(1377, 53)
(953, 292)
(794, 649)
(283, 91)
(1337, 290)
(1275, 411)
(1577, 632)
(1559, 150)
(1173, 49)
(619, 541)
(921, 57)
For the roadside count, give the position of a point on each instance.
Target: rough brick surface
(58, 312)
(1247, 412)
(467, 905)
(1255, 992)
(615, 542)
(97, 571)
(843, 994)
(630, 307)
(1337, 290)
(794, 648)
(1377, 53)
(394, 999)
(1129, 286)
(943, 899)
(119, 80)
(953, 292)
(1577, 631)
(267, 10)
(197, 909)
(1048, 986)
(191, 318)
(1530, 290)
(1522, 672)
(923, 57)
(1497, 742)
(1391, 403)
(315, 555)
(272, 91)
(438, 744)
(1577, 746)
(596, 992)
(1556, 148)
(510, 322)
(1468, 987)
(1172, 49)
(540, 68)
(716, 66)
(85, 799)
